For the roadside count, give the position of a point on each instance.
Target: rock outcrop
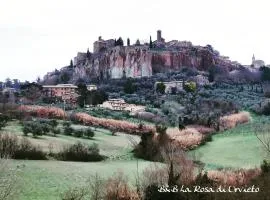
(139, 60)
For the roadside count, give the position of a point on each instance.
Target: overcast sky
(37, 36)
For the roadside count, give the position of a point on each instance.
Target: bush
(78, 133)
(74, 194)
(68, 130)
(53, 123)
(42, 111)
(3, 120)
(111, 124)
(80, 152)
(89, 133)
(27, 151)
(160, 88)
(129, 87)
(230, 121)
(56, 131)
(262, 108)
(148, 148)
(190, 87)
(37, 128)
(265, 167)
(11, 146)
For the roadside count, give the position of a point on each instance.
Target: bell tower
(253, 59)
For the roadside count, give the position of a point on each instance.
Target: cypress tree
(150, 43)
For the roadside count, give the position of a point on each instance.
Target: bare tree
(74, 194)
(96, 186)
(179, 167)
(262, 132)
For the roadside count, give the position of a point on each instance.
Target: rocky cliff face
(139, 61)
(115, 63)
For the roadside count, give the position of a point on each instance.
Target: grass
(234, 148)
(111, 146)
(46, 180)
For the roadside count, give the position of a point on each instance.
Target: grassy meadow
(234, 148)
(46, 180)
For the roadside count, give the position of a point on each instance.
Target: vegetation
(3, 120)
(41, 112)
(190, 86)
(31, 91)
(150, 43)
(265, 73)
(129, 87)
(197, 112)
(110, 124)
(87, 97)
(80, 152)
(67, 128)
(13, 147)
(119, 42)
(160, 88)
(8, 180)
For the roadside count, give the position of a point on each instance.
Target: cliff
(139, 60)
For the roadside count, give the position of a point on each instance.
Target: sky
(38, 36)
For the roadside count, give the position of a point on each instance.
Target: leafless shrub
(117, 188)
(239, 177)
(112, 124)
(155, 174)
(74, 194)
(230, 121)
(187, 138)
(8, 145)
(96, 187)
(178, 161)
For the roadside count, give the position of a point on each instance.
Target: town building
(201, 80)
(91, 87)
(66, 92)
(101, 44)
(9, 90)
(121, 105)
(257, 63)
(114, 104)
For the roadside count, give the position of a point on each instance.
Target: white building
(121, 105)
(91, 87)
(257, 63)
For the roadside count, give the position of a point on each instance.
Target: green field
(111, 146)
(46, 180)
(235, 148)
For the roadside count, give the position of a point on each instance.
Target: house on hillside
(121, 105)
(114, 104)
(66, 92)
(91, 87)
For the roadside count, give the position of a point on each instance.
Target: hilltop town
(111, 59)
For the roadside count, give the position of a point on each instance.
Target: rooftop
(60, 86)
